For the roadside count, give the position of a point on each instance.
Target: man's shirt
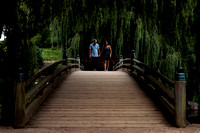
(94, 50)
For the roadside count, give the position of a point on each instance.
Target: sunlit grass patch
(49, 54)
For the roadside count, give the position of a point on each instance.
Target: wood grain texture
(98, 99)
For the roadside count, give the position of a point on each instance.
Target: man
(94, 53)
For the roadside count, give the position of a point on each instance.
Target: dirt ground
(101, 130)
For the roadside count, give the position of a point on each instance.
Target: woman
(106, 55)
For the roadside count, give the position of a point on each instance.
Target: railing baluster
(121, 59)
(132, 57)
(78, 60)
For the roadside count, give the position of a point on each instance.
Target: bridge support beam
(180, 98)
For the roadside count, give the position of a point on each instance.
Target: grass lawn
(49, 54)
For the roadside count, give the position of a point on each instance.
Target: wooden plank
(101, 118)
(119, 110)
(97, 107)
(99, 101)
(97, 125)
(135, 112)
(77, 122)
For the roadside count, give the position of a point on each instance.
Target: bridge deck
(98, 99)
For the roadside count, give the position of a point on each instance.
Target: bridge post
(132, 57)
(78, 59)
(180, 98)
(19, 96)
(121, 59)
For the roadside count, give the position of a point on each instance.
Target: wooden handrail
(155, 73)
(72, 59)
(42, 84)
(120, 63)
(27, 102)
(39, 74)
(168, 93)
(159, 84)
(140, 65)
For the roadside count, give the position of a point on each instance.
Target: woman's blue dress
(106, 54)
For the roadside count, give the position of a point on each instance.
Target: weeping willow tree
(74, 43)
(54, 29)
(164, 38)
(162, 33)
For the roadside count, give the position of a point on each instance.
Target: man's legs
(94, 63)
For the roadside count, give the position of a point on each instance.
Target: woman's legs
(105, 65)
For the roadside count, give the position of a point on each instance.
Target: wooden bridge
(98, 99)
(62, 96)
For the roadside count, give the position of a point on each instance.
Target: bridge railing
(31, 93)
(172, 94)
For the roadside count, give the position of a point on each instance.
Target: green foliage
(114, 20)
(49, 54)
(147, 48)
(39, 57)
(3, 47)
(42, 40)
(74, 42)
(138, 36)
(155, 48)
(37, 40)
(170, 62)
(119, 45)
(54, 29)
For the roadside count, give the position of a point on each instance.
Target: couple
(94, 53)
